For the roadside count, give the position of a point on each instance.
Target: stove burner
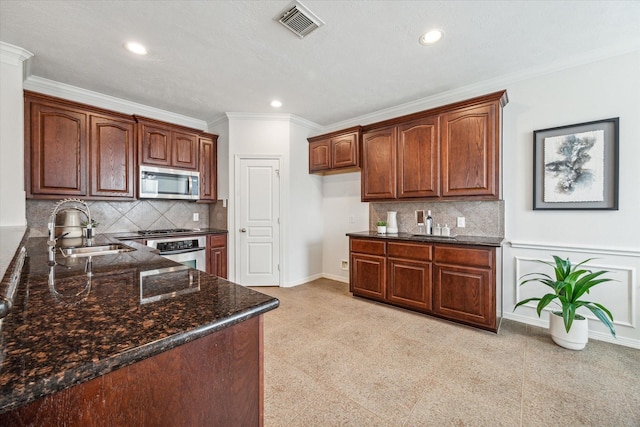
(162, 232)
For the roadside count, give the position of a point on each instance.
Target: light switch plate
(461, 222)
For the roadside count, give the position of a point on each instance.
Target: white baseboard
(303, 280)
(335, 277)
(598, 336)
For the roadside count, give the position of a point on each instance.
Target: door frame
(236, 213)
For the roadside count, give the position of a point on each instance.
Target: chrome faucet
(52, 223)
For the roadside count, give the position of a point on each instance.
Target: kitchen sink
(431, 236)
(87, 251)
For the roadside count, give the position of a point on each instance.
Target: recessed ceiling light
(136, 48)
(431, 37)
(276, 104)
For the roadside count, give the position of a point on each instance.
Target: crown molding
(14, 55)
(485, 86)
(278, 117)
(73, 93)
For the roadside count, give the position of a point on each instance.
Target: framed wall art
(576, 166)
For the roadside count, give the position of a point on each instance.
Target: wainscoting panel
(621, 296)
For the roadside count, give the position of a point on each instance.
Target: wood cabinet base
(216, 380)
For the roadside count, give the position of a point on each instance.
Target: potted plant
(382, 227)
(568, 328)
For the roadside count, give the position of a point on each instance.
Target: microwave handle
(189, 185)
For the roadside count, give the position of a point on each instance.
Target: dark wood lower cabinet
(217, 255)
(368, 273)
(410, 284)
(454, 282)
(216, 380)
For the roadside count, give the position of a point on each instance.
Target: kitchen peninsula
(129, 338)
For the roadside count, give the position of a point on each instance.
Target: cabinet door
(319, 153)
(57, 161)
(208, 168)
(345, 151)
(418, 159)
(466, 294)
(217, 255)
(155, 145)
(112, 158)
(184, 150)
(470, 152)
(379, 164)
(409, 284)
(368, 276)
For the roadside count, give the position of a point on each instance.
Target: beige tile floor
(333, 360)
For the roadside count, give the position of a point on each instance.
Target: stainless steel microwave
(164, 183)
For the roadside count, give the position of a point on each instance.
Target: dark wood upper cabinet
(163, 144)
(450, 152)
(379, 164)
(335, 152)
(56, 138)
(112, 156)
(77, 150)
(155, 145)
(208, 168)
(470, 152)
(418, 153)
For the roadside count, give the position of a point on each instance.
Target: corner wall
(598, 90)
(12, 195)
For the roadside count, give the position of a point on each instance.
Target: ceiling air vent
(299, 19)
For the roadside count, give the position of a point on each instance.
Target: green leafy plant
(381, 223)
(570, 284)
(94, 224)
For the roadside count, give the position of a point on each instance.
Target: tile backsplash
(118, 217)
(483, 218)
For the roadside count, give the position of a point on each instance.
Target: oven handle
(181, 251)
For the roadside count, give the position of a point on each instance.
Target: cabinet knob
(243, 230)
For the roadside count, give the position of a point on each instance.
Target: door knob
(243, 230)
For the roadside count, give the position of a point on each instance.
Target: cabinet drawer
(216, 240)
(373, 247)
(420, 252)
(476, 257)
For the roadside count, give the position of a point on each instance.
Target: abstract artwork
(573, 167)
(576, 166)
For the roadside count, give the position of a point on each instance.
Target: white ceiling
(211, 57)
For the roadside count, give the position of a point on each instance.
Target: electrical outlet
(352, 219)
(344, 264)
(196, 216)
(461, 222)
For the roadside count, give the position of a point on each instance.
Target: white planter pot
(575, 339)
(382, 229)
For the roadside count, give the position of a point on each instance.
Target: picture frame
(575, 167)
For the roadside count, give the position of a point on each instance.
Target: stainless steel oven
(187, 250)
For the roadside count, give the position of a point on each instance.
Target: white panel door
(258, 228)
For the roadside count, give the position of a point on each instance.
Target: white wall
(342, 212)
(12, 195)
(598, 90)
(284, 136)
(304, 260)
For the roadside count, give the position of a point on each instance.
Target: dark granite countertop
(194, 232)
(453, 240)
(66, 327)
